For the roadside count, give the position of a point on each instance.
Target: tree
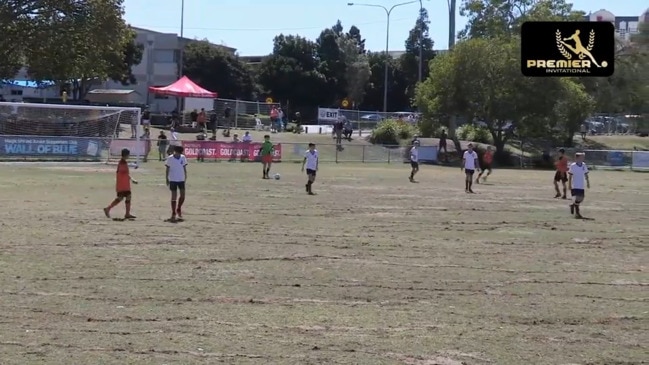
(480, 80)
(397, 84)
(357, 69)
(122, 66)
(15, 25)
(80, 43)
(291, 72)
(332, 61)
(418, 38)
(572, 107)
(503, 18)
(217, 70)
(355, 34)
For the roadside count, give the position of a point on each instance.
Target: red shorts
(267, 158)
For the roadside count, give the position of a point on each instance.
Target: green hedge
(470, 132)
(392, 132)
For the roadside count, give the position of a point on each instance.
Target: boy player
(311, 162)
(266, 152)
(578, 181)
(176, 176)
(122, 186)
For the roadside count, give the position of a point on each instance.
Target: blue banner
(616, 158)
(34, 146)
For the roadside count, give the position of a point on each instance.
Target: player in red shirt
(487, 160)
(561, 175)
(122, 186)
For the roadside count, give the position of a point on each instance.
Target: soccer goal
(63, 132)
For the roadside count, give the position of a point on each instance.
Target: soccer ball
(276, 176)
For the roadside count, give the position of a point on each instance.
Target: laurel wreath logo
(591, 43)
(560, 46)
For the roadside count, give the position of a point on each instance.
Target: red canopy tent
(184, 88)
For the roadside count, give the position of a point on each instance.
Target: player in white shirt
(578, 182)
(176, 176)
(414, 160)
(311, 162)
(470, 165)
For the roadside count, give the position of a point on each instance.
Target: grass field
(372, 270)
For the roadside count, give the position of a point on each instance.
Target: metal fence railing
(242, 112)
(294, 152)
(363, 119)
(613, 159)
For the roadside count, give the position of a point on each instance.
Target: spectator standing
(193, 117)
(163, 144)
(202, 120)
(280, 119)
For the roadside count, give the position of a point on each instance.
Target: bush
(470, 132)
(391, 132)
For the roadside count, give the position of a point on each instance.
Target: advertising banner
(37, 146)
(640, 160)
(217, 150)
(327, 114)
(136, 148)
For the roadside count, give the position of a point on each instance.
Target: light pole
(451, 23)
(182, 42)
(421, 36)
(181, 54)
(388, 12)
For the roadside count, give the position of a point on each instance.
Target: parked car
(372, 118)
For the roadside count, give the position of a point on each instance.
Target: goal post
(65, 132)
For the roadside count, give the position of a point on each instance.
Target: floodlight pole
(181, 54)
(388, 12)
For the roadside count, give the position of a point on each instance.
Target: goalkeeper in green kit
(266, 153)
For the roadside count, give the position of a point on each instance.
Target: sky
(250, 25)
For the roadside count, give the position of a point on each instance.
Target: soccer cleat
(311, 193)
(471, 191)
(578, 216)
(129, 216)
(107, 212)
(564, 196)
(557, 196)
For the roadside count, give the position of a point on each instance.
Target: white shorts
(146, 122)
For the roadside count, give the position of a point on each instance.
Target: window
(16, 92)
(164, 56)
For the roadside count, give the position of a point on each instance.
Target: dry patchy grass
(373, 270)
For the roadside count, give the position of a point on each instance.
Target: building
(625, 26)
(19, 88)
(159, 67)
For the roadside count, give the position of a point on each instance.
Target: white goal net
(32, 131)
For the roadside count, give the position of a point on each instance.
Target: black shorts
(469, 172)
(310, 172)
(414, 165)
(560, 176)
(176, 185)
(123, 194)
(579, 193)
(486, 167)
